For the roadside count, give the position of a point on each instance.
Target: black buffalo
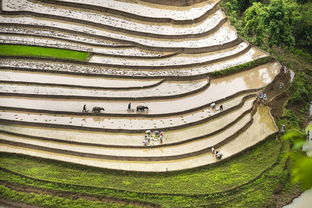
(97, 109)
(142, 108)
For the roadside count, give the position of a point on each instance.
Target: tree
(253, 22)
(273, 22)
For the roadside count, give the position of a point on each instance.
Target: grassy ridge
(205, 180)
(54, 201)
(36, 51)
(253, 194)
(242, 67)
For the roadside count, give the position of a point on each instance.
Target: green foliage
(301, 166)
(36, 51)
(242, 67)
(54, 201)
(253, 22)
(296, 137)
(303, 30)
(237, 7)
(301, 170)
(301, 90)
(253, 193)
(222, 176)
(273, 22)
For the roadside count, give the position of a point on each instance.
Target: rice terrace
(138, 103)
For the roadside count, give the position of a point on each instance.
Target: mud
(118, 138)
(74, 80)
(73, 195)
(165, 89)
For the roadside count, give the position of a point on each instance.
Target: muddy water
(218, 89)
(122, 138)
(104, 49)
(168, 88)
(177, 60)
(224, 35)
(114, 21)
(39, 77)
(262, 126)
(130, 52)
(250, 55)
(108, 122)
(253, 135)
(20, 29)
(303, 201)
(153, 10)
(136, 152)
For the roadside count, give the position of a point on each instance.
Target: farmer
(161, 136)
(221, 108)
(84, 109)
(283, 129)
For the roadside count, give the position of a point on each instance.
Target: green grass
(242, 67)
(224, 176)
(54, 201)
(36, 51)
(258, 190)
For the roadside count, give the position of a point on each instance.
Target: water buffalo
(97, 109)
(142, 108)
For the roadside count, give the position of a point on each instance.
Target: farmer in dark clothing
(221, 108)
(84, 109)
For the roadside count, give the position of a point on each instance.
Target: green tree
(253, 22)
(273, 22)
(303, 30)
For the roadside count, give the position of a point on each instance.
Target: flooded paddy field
(251, 135)
(113, 21)
(113, 71)
(218, 89)
(153, 10)
(177, 60)
(164, 89)
(262, 126)
(75, 80)
(108, 50)
(161, 151)
(140, 54)
(223, 35)
(172, 136)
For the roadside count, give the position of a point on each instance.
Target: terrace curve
(143, 53)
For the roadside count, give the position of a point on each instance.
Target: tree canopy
(273, 22)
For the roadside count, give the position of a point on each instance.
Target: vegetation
(251, 179)
(54, 201)
(301, 166)
(284, 27)
(36, 51)
(242, 67)
(206, 180)
(234, 174)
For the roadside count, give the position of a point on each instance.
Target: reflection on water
(80, 80)
(303, 201)
(218, 89)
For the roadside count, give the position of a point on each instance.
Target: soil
(278, 91)
(72, 195)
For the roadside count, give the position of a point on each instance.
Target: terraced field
(177, 60)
